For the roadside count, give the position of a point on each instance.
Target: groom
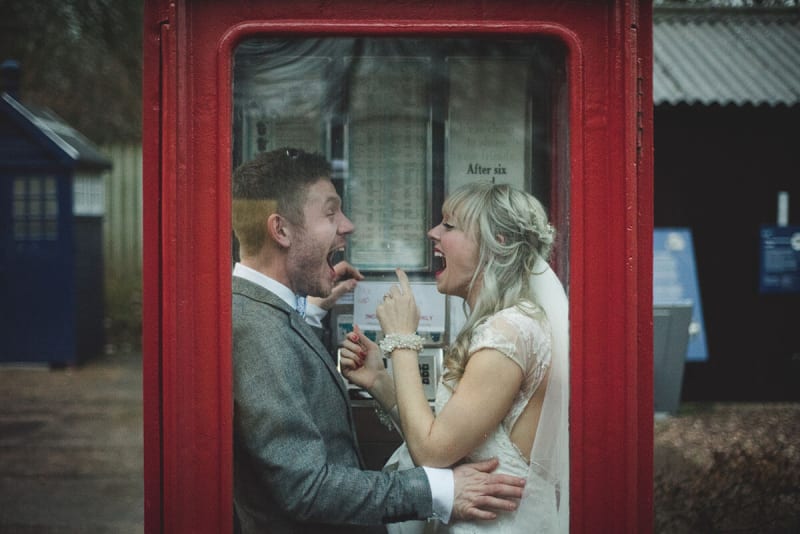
(297, 467)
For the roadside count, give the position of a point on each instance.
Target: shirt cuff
(314, 315)
(442, 491)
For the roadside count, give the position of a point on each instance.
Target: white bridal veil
(550, 453)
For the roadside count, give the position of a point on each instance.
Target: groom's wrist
(442, 492)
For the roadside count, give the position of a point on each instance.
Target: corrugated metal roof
(726, 57)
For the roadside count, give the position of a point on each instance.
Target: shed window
(35, 209)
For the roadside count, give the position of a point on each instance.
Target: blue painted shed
(52, 202)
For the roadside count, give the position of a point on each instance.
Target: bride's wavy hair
(511, 229)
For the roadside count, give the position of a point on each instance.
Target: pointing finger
(402, 277)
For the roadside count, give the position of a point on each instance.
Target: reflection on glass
(403, 121)
(281, 105)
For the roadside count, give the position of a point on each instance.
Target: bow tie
(300, 305)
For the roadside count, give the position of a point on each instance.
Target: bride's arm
(484, 397)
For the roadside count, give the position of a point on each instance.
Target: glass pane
(20, 230)
(35, 208)
(34, 187)
(403, 121)
(281, 100)
(51, 208)
(50, 186)
(20, 210)
(50, 229)
(20, 188)
(35, 228)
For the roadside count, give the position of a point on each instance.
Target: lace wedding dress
(536, 338)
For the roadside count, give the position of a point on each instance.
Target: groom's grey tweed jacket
(297, 467)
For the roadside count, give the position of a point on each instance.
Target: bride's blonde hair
(511, 229)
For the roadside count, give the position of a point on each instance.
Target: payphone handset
(432, 326)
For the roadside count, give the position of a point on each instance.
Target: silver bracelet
(384, 417)
(401, 341)
(390, 419)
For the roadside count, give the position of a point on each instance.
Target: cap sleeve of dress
(525, 338)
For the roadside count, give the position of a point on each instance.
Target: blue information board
(780, 259)
(675, 283)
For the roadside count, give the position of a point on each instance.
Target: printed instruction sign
(487, 126)
(675, 283)
(368, 295)
(780, 259)
(388, 186)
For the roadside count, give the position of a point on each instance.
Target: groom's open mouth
(335, 256)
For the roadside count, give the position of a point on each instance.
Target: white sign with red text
(431, 305)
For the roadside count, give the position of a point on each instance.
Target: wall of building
(718, 171)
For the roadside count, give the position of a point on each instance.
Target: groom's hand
(479, 494)
(347, 276)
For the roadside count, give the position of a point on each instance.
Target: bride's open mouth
(439, 262)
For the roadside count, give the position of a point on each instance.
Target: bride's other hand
(361, 360)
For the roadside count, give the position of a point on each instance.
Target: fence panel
(122, 232)
(122, 245)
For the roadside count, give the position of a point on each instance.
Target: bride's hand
(398, 312)
(361, 360)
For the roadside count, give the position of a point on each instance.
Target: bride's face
(457, 253)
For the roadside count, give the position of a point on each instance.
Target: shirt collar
(270, 284)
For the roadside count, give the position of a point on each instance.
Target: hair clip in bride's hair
(547, 234)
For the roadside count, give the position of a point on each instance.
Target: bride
(504, 391)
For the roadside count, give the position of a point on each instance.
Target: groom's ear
(279, 230)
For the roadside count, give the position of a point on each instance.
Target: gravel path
(728, 468)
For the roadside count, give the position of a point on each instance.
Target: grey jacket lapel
(296, 322)
(307, 333)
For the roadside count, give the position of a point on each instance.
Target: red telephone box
(570, 116)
